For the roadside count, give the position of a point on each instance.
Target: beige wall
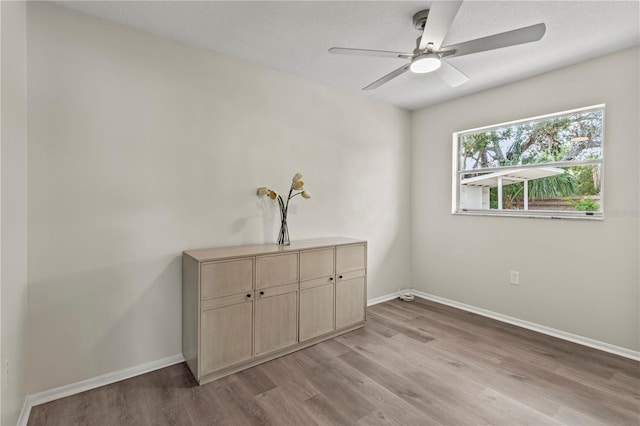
(140, 147)
(13, 241)
(580, 277)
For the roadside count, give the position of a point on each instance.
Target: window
(549, 166)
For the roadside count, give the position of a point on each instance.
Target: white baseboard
(92, 383)
(581, 340)
(24, 414)
(381, 299)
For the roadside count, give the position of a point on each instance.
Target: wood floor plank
(402, 388)
(202, 408)
(625, 381)
(613, 388)
(322, 411)
(414, 363)
(514, 411)
(394, 408)
(401, 328)
(451, 405)
(256, 380)
(614, 411)
(282, 409)
(292, 376)
(389, 311)
(569, 416)
(341, 394)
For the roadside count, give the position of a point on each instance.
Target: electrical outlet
(514, 278)
(5, 373)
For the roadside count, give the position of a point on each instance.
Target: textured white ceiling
(294, 36)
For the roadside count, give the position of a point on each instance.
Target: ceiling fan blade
(497, 41)
(368, 52)
(387, 77)
(441, 15)
(451, 75)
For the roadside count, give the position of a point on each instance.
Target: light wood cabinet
(249, 304)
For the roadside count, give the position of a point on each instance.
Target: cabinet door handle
(330, 278)
(249, 295)
(262, 293)
(340, 277)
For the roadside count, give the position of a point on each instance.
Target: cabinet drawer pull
(262, 293)
(340, 276)
(330, 278)
(249, 295)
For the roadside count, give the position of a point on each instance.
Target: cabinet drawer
(351, 258)
(352, 274)
(276, 270)
(226, 277)
(274, 291)
(316, 264)
(317, 281)
(227, 300)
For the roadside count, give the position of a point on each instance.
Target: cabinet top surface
(262, 249)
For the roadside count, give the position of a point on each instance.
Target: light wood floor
(416, 363)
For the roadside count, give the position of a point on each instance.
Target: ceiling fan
(429, 54)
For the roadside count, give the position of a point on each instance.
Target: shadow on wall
(247, 228)
(103, 320)
(387, 267)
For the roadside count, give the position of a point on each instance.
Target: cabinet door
(350, 301)
(276, 319)
(351, 258)
(316, 311)
(227, 335)
(316, 264)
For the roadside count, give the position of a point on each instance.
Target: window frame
(546, 214)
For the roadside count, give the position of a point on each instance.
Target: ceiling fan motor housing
(420, 19)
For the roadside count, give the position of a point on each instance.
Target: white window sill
(533, 214)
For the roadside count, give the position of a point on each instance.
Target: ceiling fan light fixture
(427, 62)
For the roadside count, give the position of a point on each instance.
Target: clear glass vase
(283, 235)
